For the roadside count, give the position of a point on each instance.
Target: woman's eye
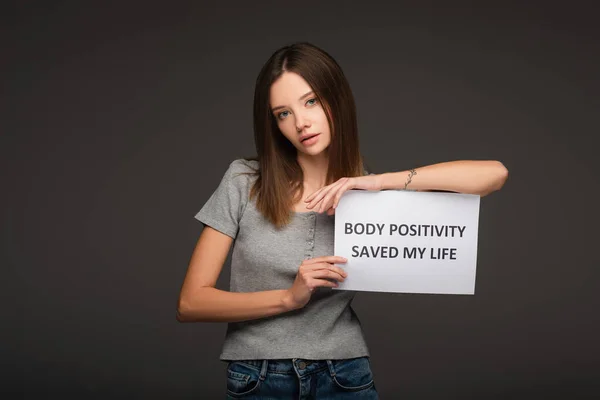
(310, 102)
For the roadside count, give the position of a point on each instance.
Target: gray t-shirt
(264, 258)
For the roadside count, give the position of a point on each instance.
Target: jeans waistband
(296, 366)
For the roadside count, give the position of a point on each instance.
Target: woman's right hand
(313, 273)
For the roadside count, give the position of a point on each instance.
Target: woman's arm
(464, 176)
(199, 300)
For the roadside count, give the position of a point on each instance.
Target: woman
(289, 335)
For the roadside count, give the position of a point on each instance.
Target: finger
(312, 196)
(328, 259)
(327, 274)
(309, 198)
(323, 192)
(326, 203)
(318, 196)
(323, 283)
(339, 270)
(325, 267)
(331, 271)
(349, 185)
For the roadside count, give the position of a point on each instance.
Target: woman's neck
(314, 169)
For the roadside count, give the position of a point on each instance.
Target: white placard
(408, 242)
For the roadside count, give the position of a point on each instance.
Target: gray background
(119, 120)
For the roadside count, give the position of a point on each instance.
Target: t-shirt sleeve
(225, 207)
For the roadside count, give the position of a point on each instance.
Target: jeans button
(302, 365)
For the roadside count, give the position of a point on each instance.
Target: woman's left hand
(328, 197)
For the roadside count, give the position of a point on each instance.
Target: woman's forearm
(464, 176)
(213, 305)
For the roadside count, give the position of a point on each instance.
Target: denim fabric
(301, 379)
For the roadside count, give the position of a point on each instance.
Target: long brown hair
(280, 178)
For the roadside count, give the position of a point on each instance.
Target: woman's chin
(311, 152)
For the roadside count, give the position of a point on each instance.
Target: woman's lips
(311, 140)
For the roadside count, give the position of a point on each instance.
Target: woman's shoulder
(244, 165)
(242, 172)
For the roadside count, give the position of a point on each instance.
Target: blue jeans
(301, 379)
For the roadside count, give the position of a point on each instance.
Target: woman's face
(299, 114)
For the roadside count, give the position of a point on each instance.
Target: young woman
(289, 335)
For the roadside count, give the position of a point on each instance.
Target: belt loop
(331, 369)
(263, 370)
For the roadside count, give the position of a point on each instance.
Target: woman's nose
(301, 122)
